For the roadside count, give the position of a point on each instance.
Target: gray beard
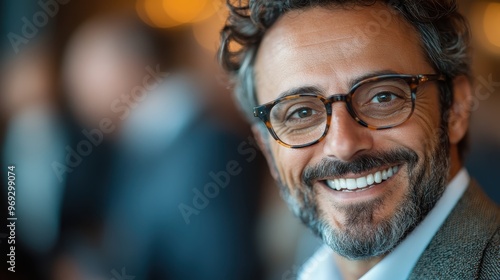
(361, 238)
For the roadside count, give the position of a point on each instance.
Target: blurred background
(131, 158)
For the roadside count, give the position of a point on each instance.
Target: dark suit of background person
(146, 231)
(121, 204)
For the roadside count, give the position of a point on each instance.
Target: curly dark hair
(443, 31)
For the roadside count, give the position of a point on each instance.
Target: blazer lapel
(457, 249)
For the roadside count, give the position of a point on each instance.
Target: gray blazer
(467, 246)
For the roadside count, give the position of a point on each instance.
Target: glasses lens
(299, 120)
(382, 103)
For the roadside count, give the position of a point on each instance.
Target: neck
(456, 164)
(355, 269)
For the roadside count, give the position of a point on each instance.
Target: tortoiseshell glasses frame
(380, 102)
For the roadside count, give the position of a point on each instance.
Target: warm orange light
(491, 23)
(184, 11)
(153, 13)
(140, 8)
(170, 13)
(212, 7)
(206, 32)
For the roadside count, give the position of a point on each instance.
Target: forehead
(328, 47)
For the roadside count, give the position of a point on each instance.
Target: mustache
(335, 168)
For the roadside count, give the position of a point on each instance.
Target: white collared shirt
(400, 262)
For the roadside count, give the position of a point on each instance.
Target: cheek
(290, 163)
(420, 133)
(426, 122)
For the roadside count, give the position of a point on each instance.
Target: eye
(384, 97)
(302, 113)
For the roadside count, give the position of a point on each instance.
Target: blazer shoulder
(490, 264)
(467, 244)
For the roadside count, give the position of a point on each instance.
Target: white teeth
(370, 179)
(351, 184)
(331, 184)
(343, 184)
(378, 177)
(362, 182)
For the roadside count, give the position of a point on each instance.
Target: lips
(363, 182)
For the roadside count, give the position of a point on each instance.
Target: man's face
(328, 48)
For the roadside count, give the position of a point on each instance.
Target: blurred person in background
(34, 138)
(139, 199)
(99, 65)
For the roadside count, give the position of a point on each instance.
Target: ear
(264, 147)
(458, 120)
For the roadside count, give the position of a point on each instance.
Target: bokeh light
(491, 23)
(153, 13)
(184, 11)
(171, 13)
(206, 33)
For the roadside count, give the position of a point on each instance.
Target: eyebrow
(352, 82)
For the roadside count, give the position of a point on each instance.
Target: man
(363, 110)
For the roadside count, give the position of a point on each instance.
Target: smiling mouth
(361, 183)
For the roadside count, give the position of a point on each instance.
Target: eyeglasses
(381, 102)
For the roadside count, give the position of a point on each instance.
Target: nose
(346, 138)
